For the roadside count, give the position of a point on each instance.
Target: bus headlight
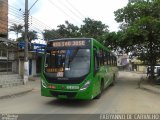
(44, 84)
(85, 86)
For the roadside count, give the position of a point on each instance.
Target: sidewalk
(155, 88)
(20, 89)
(151, 88)
(144, 85)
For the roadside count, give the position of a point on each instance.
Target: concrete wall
(34, 67)
(14, 67)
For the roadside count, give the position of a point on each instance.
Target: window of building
(3, 53)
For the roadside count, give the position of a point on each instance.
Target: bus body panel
(73, 91)
(62, 90)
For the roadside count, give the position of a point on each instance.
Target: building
(4, 18)
(8, 52)
(9, 75)
(123, 62)
(35, 54)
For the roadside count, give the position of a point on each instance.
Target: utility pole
(26, 62)
(26, 31)
(26, 65)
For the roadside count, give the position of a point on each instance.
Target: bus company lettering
(69, 43)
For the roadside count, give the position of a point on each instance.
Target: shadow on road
(77, 103)
(126, 81)
(70, 103)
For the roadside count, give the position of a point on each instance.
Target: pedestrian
(148, 71)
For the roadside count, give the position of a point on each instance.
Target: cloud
(52, 16)
(56, 13)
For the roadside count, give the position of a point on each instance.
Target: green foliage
(16, 28)
(140, 24)
(93, 29)
(68, 30)
(50, 34)
(31, 36)
(111, 40)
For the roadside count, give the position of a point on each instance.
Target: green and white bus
(77, 68)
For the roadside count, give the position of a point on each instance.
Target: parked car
(156, 69)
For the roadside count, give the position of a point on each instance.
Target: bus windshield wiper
(70, 58)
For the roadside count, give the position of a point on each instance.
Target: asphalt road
(124, 97)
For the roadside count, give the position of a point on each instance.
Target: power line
(41, 23)
(75, 8)
(17, 15)
(12, 7)
(33, 5)
(35, 23)
(13, 10)
(69, 9)
(62, 10)
(11, 21)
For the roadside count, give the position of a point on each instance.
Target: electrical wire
(19, 18)
(71, 5)
(52, 3)
(75, 14)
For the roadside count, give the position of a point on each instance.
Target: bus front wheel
(101, 89)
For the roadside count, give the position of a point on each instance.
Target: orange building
(4, 18)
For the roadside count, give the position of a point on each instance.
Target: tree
(50, 34)
(140, 23)
(111, 40)
(68, 30)
(31, 36)
(16, 28)
(94, 29)
(91, 28)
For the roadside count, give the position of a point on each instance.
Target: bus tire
(101, 90)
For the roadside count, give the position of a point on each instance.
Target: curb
(15, 94)
(150, 89)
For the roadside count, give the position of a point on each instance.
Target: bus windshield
(67, 63)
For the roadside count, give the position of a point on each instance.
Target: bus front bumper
(62, 94)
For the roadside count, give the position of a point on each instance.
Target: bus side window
(101, 57)
(96, 60)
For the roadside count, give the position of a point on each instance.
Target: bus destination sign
(71, 43)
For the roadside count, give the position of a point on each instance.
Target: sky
(55, 12)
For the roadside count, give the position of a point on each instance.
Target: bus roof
(94, 40)
(69, 39)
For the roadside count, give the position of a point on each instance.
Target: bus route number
(69, 43)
